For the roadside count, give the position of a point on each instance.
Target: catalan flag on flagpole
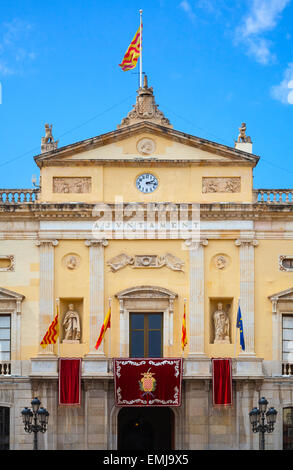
(184, 333)
(53, 331)
(105, 326)
(133, 52)
(239, 324)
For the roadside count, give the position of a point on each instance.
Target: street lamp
(257, 420)
(35, 420)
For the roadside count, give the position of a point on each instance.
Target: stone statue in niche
(71, 325)
(221, 324)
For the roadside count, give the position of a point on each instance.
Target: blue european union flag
(239, 325)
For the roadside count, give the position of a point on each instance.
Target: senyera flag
(133, 52)
(184, 333)
(52, 332)
(105, 326)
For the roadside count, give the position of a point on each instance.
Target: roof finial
(145, 81)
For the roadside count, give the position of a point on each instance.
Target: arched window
(288, 428)
(4, 427)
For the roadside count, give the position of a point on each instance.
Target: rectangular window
(146, 335)
(287, 338)
(5, 337)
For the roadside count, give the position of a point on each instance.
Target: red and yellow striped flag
(52, 332)
(184, 333)
(105, 326)
(133, 52)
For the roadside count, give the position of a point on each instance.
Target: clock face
(146, 183)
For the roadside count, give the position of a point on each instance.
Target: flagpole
(58, 307)
(109, 349)
(140, 57)
(236, 328)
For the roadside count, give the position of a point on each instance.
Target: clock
(146, 183)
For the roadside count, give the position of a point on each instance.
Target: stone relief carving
(71, 325)
(221, 262)
(221, 325)
(71, 261)
(48, 143)
(145, 109)
(242, 137)
(146, 146)
(221, 185)
(146, 261)
(72, 185)
(7, 263)
(119, 262)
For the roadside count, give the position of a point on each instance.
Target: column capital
(192, 244)
(246, 242)
(96, 242)
(47, 242)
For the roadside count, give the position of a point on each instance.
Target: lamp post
(35, 420)
(257, 420)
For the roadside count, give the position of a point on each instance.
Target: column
(196, 296)
(47, 300)
(96, 256)
(246, 258)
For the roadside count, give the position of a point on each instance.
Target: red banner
(69, 381)
(222, 381)
(148, 382)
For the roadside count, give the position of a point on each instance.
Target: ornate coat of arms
(147, 383)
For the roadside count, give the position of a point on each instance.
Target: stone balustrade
(273, 196)
(287, 368)
(5, 368)
(18, 196)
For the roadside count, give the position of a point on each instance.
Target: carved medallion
(72, 185)
(71, 261)
(146, 146)
(221, 262)
(221, 185)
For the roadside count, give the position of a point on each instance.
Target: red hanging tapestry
(148, 382)
(222, 381)
(69, 381)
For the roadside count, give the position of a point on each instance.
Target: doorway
(146, 428)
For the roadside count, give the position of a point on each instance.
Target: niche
(221, 320)
(71, 318)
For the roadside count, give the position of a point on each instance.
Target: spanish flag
(184, 334)
(133, 52)
(52, 332)
(106, 324)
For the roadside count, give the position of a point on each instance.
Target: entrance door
(145, 428)
(4, 427)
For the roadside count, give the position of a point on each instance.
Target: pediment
(167, 145)
(144, 292)
(282, 295)
(6, 295)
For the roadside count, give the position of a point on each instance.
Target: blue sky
(213, 64)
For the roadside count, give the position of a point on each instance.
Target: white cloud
(284, 91)
(262, 17)
(13, 54)
(185, 5)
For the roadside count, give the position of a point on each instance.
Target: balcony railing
(268, 196)
(287, 368)
(18, 196)
(273, 196)
(5, 368)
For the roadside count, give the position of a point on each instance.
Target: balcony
(287, 368)
(273, 196)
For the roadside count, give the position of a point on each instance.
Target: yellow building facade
(146, 218)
